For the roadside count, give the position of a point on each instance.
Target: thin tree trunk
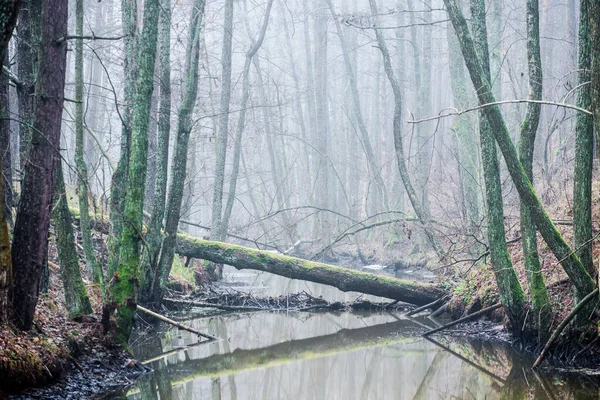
(594, 18)
(180, 152)
(422, 213)
(94, 268)
(237, 150)
(27, 58)
(76, 297)
(374, 169)
(125, 283)
(5, 150)
(149, 268)
(30, 238)
(569, 260)
(537, 285)
(216, 232)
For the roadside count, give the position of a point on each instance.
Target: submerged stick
(177, 324)
(426, 306)
(464, 319)
(213, 305)
(563, 325)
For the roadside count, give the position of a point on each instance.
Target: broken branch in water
(177, 324)
(426, 306)
(563, 325)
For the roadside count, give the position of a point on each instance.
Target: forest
(413, 155)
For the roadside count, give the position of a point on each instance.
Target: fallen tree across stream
(345, 279)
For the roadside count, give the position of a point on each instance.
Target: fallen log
(464, 319)
(347, 280)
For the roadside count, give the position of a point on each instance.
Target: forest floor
(76, 356)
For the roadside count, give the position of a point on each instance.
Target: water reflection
(336, 356)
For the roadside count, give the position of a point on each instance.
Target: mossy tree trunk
(467, 152)
(150, 260)
(180, 152)
(93, 267)
(557, 244)
(118, 188)
(421, 212)
(125, 283)
(594, 19)
(535, 279)
(510, 290)
(30, 239)
(76, 297)
(584, 147)
(344, 279)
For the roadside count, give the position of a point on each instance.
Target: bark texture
(125, 282)
(30, 239)
(510, 290)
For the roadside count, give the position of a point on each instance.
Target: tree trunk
(93, 267)
(27, 45)
(342, 278)
(76, 297)
(5, 150)
(421, 212)
(374, 169)
(237, 150)
(510, 290)
(118, 188)
(594, 18)
(153, 239)
(5, 263)
(216, 232)
(535, 279)
(584, 148)
(30, 238)
(180, 152)
(125, 282)
(569, 260)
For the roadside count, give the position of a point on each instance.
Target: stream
(302, 355)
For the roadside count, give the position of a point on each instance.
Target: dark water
(267, 355)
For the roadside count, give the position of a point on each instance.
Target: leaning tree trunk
(30, 239)
(421, 212)
(153, 239)
(180, 152)
(76, 297)
(94, 268)
(557, 244)
(537, 285)
(510, 290)
(125, 282)
(344, 279)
